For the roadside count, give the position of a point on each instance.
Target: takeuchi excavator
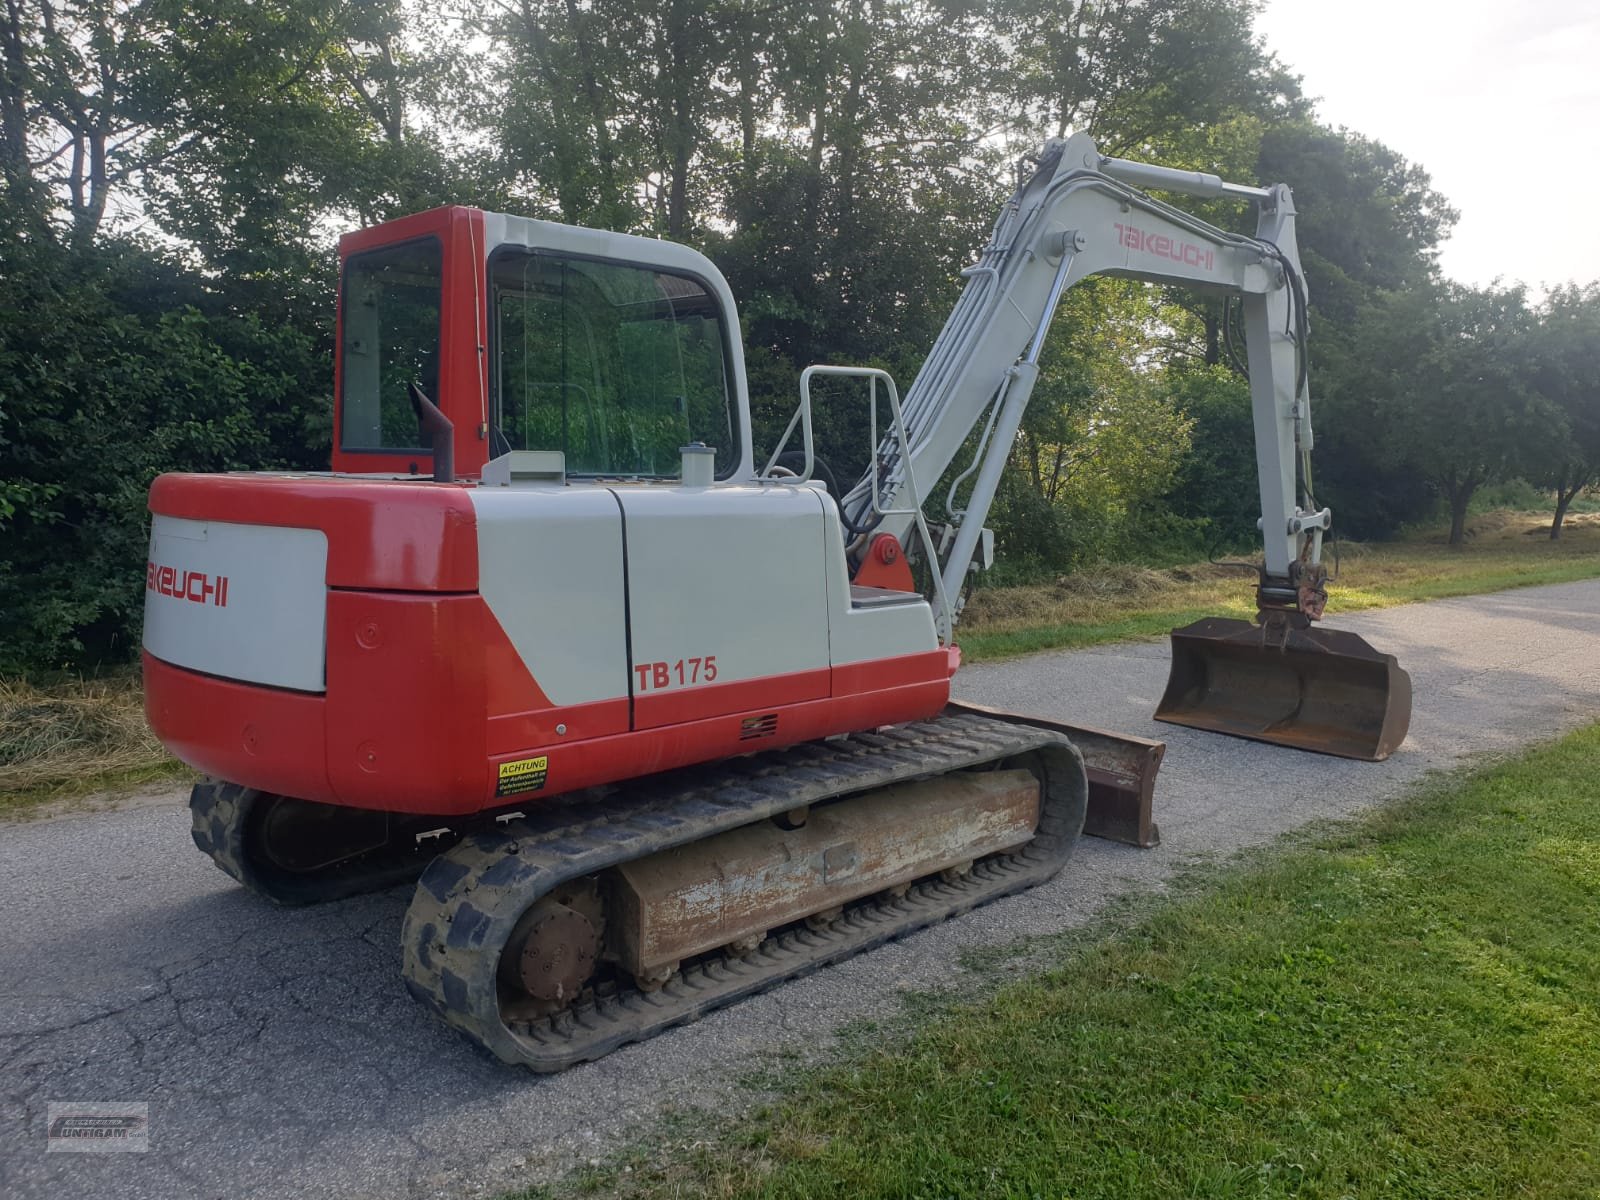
(650, 725)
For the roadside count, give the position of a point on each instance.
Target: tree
(1467, 416)
(1369, 225)
(1216, 482)
(1565, 370)
(99, 392)
(173, 176)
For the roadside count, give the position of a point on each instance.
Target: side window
(617, 366)
(391, 308)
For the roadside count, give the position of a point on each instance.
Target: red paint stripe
(511, 687)
(509, 733)
(700, 701)
(405, 727)
(632, 755)
(906, 670)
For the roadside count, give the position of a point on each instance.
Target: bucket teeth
(1325, 690)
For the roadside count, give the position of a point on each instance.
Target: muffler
(1325, 690)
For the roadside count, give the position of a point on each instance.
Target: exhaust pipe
(1324, 690)
(442, 431)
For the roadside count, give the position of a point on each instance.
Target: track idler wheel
(705, 887)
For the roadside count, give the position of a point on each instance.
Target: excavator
(651, 727)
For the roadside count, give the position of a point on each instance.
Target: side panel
(245, 602)
(550, 570)
(728, 607)
(867, 635)
(405, 709)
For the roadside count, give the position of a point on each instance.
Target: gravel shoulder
(280, 1056)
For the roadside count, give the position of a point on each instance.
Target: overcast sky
(1500, 102)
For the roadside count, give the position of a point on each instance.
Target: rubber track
(220, 813)
(470, 897)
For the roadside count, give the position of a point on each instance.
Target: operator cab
(610, 350)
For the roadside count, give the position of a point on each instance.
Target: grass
(1504, 550)
(1404, 1005)
(74, 736)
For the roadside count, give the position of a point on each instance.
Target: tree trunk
(610, 206)
(748, 83)
(1563, 498)
(682, 138)
(14, 105)
(1459, 498)
(820, 86)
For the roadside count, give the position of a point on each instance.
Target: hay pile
(66, 733)
(1090, 594)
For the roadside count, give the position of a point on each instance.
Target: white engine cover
(245, 602)
(736, 574)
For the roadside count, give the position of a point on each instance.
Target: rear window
(391, 339)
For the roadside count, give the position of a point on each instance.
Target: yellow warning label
(522, 775)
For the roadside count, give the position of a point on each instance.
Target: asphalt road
(280, 1056)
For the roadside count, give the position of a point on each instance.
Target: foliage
(111, 371)
(1216, 481)
(1458, 361)
(1565, 369)
(173, 175)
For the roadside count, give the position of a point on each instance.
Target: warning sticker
(523, 775)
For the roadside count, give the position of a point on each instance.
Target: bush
(109, 375)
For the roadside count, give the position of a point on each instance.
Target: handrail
(802, 414)
(945, 616)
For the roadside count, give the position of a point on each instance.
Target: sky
(1499, 102)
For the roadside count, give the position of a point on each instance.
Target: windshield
(616, 366)
(391, 340)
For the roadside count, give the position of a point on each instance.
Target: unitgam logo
(196, 586)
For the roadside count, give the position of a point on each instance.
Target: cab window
(617, 366)
(391, 339)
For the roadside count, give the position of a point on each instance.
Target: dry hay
(1093, 589)
(56, 735)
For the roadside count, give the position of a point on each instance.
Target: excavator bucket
(1326, 690)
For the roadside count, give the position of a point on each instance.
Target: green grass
(1403, 1005)
(1504, 550)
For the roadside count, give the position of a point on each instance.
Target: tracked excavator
(652, 726)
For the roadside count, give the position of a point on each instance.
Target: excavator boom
(1081, 214)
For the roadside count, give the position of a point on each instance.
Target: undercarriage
(555, 935)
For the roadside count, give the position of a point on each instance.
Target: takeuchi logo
(1165, 246)
(195, 586)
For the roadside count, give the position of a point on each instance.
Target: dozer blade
(1325, 690)
(1121, 769)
